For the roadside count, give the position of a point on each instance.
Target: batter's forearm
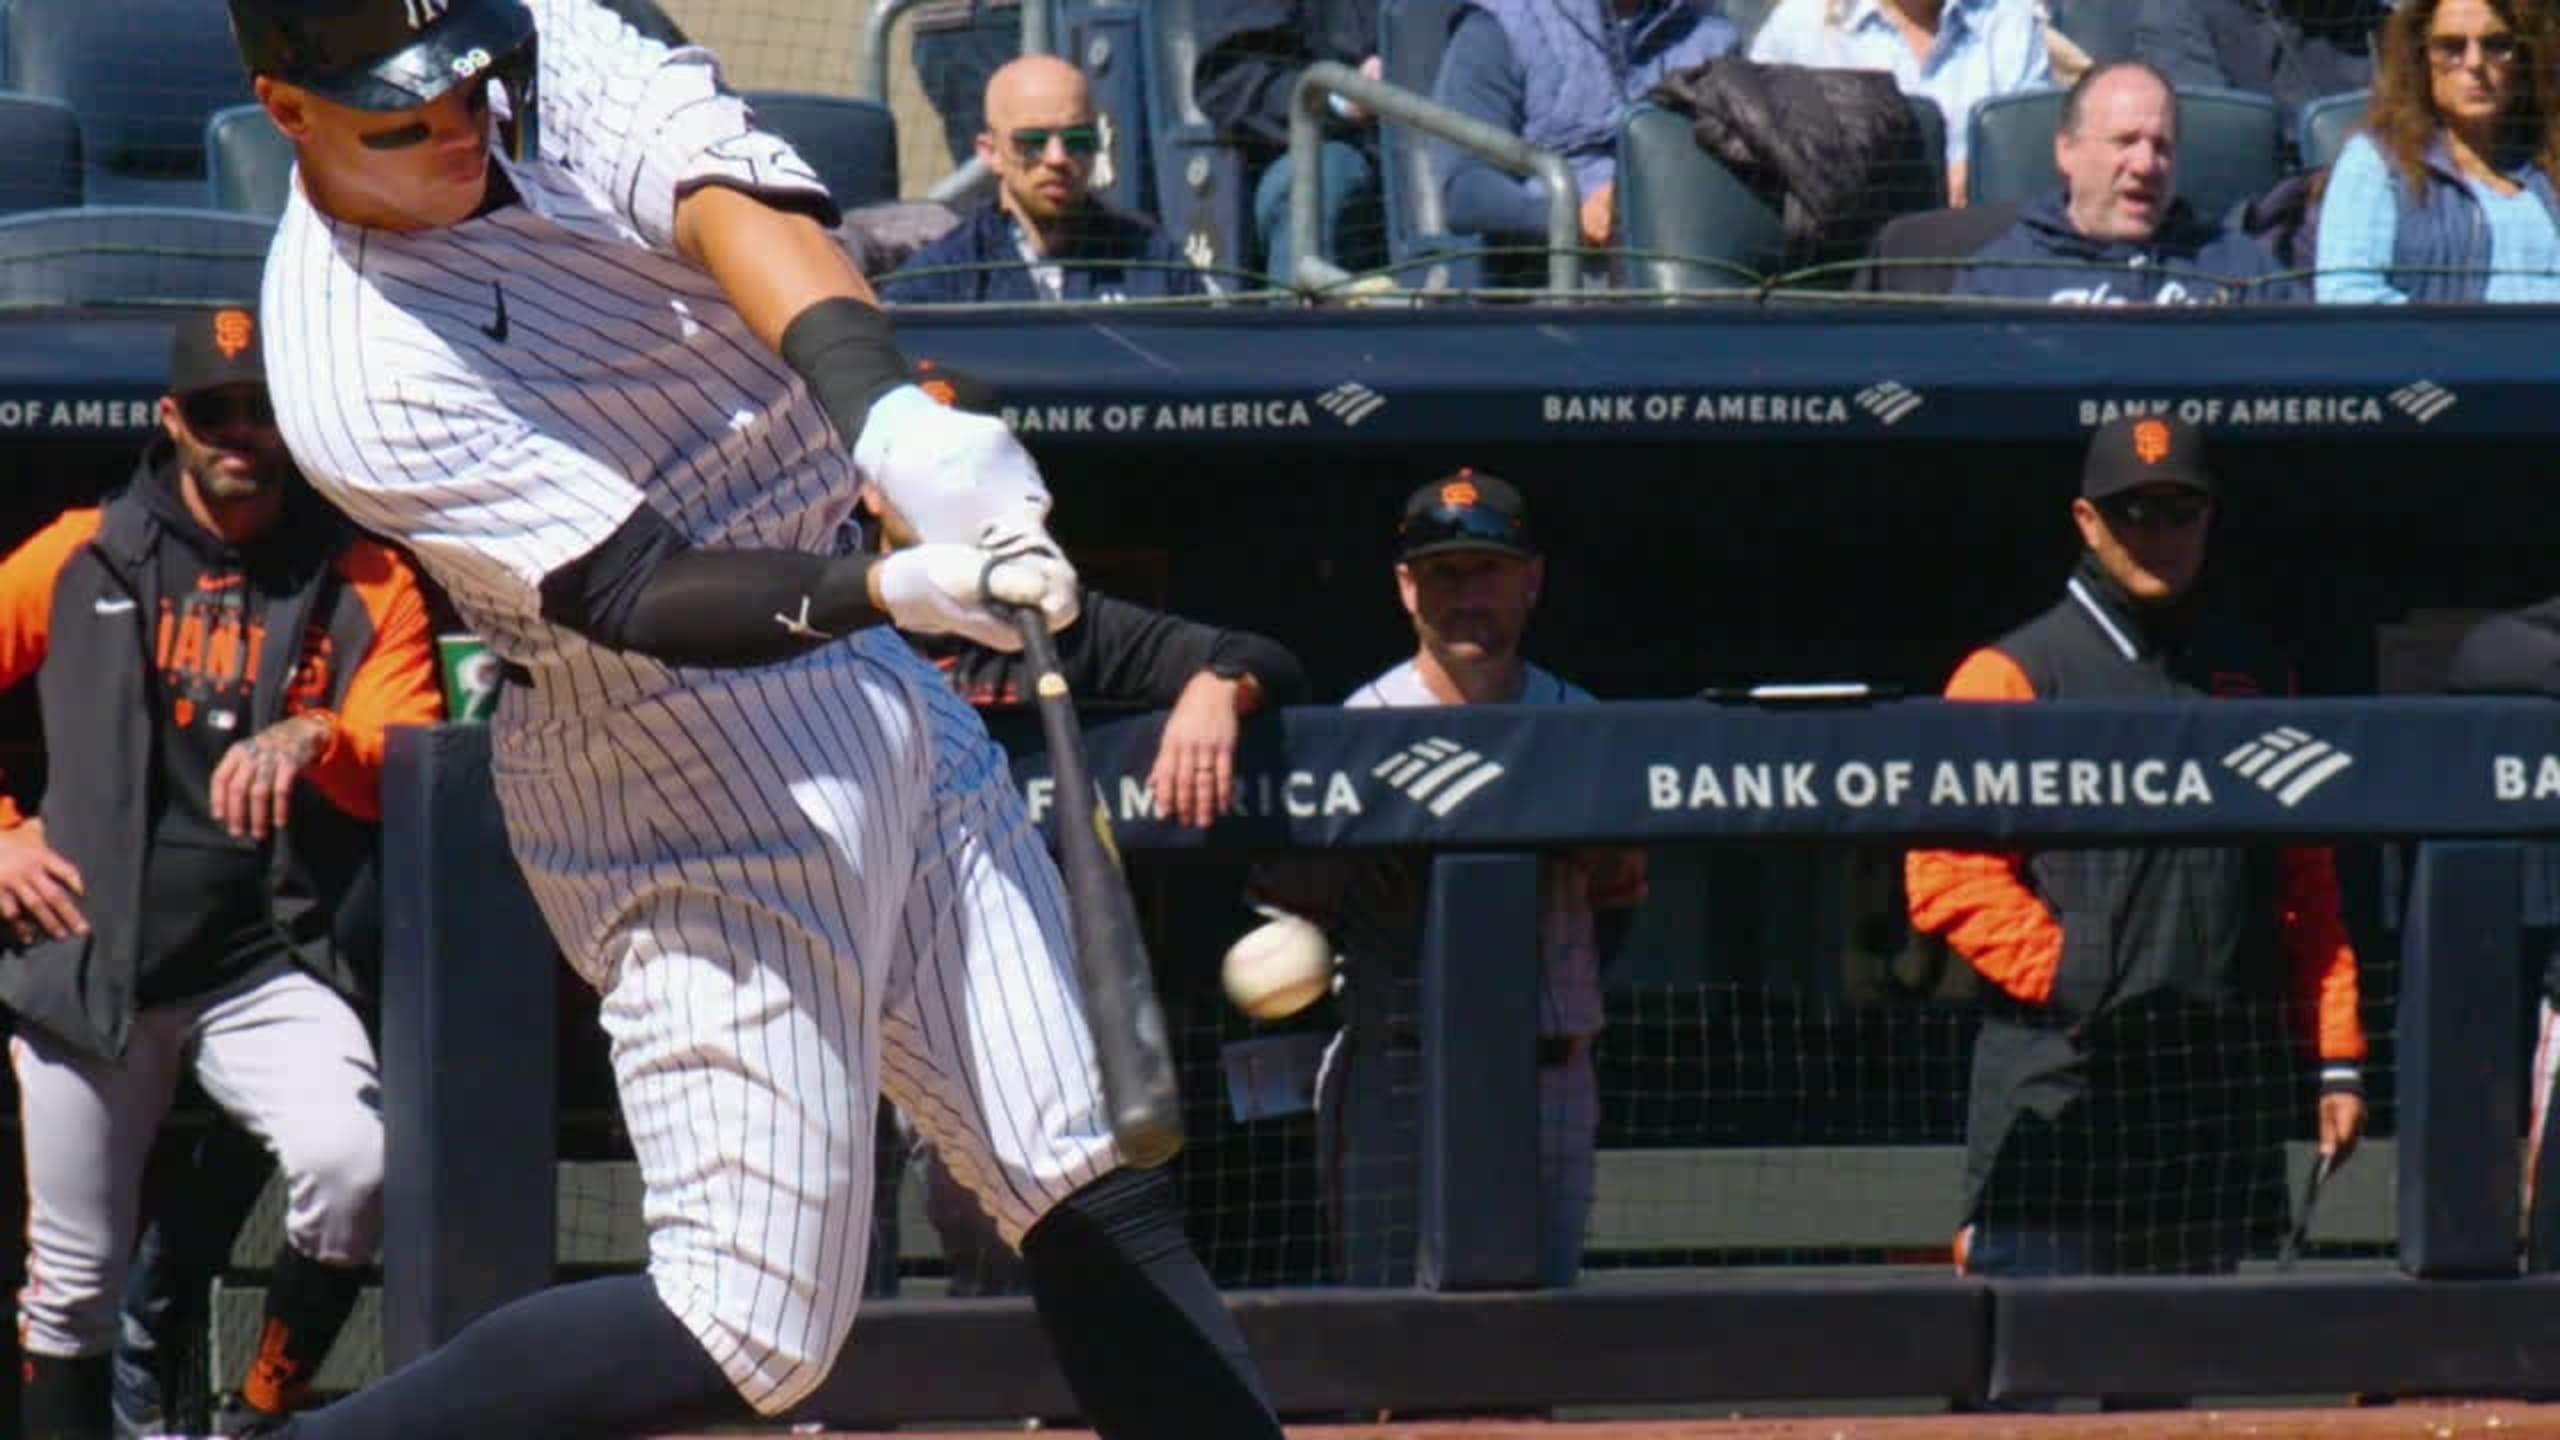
(647, 591)
(773, 264)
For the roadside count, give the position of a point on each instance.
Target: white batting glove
(948, 471)
(954, 589)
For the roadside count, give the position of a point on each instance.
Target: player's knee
(336, 1181)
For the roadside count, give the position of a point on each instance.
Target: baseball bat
(1111, 956)
(2292, 1251)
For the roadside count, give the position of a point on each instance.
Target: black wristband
(843, 348)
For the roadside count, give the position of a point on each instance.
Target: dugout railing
(471, 1009)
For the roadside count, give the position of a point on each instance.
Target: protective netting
(1703, 150)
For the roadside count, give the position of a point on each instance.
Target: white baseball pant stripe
(898, 926)
(286, 1057)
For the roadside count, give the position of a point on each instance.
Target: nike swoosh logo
(497, 329)
(114, 607)
(215, 582)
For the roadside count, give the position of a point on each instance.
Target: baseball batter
(547, 307)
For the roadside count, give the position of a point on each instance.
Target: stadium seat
(1411, 36)
(852, 144)
(42, 140)
(1103, 38)
(1203, 187)
(1947, 234)
(2103, 29)
(248, 162)
(2325, 125)
(2229, 148)
(143, 76)
(1676, 200)
(1699, 226)
(131, 255)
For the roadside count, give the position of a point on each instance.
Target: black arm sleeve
(1283, 679)
(1120, 651)
(645, 589)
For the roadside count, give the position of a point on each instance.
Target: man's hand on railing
(1599, 214)
(1352, 110)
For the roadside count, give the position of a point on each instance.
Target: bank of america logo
(2288, 763)
(2424, 400)
(1889, 401)
(1351, 402)
(1437, 775)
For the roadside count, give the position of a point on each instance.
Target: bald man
(1044, 237)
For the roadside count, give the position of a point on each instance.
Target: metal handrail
(1307, 110)
(884, 14)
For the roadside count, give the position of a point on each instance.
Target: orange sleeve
(1974, 898)
(2323, 959)
(395, 683)
(27, 580)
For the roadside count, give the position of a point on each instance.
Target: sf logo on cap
(232, 331)
(1459, 494)
(2151, 442)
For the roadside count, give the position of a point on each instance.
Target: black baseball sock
(1146, 1345)
(62, 1398)
(307, 1305)
(601, 1360)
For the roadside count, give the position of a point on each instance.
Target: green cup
(470, 677)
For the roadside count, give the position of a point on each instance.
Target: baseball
(1279, 968)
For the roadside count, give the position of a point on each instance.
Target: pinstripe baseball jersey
(796, 885)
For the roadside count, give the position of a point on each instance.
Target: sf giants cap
(956, 388)
(2140, 450)
(216, 347)
(1469, 510)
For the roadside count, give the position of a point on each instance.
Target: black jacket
(1842, 147)
(1119, 653)
(1252, 52)
(95, 694)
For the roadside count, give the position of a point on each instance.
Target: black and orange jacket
(80, 612)
(2081, 931)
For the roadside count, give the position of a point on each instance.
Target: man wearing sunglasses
(1469, 570)
(217, 656)
(2169, 991)
(1044, 236)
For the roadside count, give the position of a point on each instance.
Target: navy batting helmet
(393, 54)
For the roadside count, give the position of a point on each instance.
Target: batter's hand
(2341, 1124)
(39, 889)
(253, 786)
(1194, 778)
(954, 589)
(947, 471)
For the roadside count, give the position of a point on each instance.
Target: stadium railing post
(1480, 1075)
(469, 1029)
(2461, 945)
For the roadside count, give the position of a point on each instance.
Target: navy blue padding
(2461, 1080)
(852, 144)
(248, 162)
(132, 255)
(2325, 125)
(143, 76)
(1203, 187)
(2230, 147)
(1102, 38)
(41, 139)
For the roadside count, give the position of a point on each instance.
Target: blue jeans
(1349, 215)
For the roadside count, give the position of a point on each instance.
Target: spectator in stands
(1206, 679)
(1469, 569)
(1044, 236)
(1955, 52)
(198, 891)
(1251, 55)
(2295, 51)
(2446, 192)
(1561, 74)
(2148, 1011)
(2116, 233)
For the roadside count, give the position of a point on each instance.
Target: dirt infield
(2484, 1420)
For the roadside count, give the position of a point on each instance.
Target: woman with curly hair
(2446, 192)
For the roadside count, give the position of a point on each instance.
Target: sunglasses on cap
(1082, 142)
(2174, 511)
(1471, 526)
(475, 99)
(209, 410)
